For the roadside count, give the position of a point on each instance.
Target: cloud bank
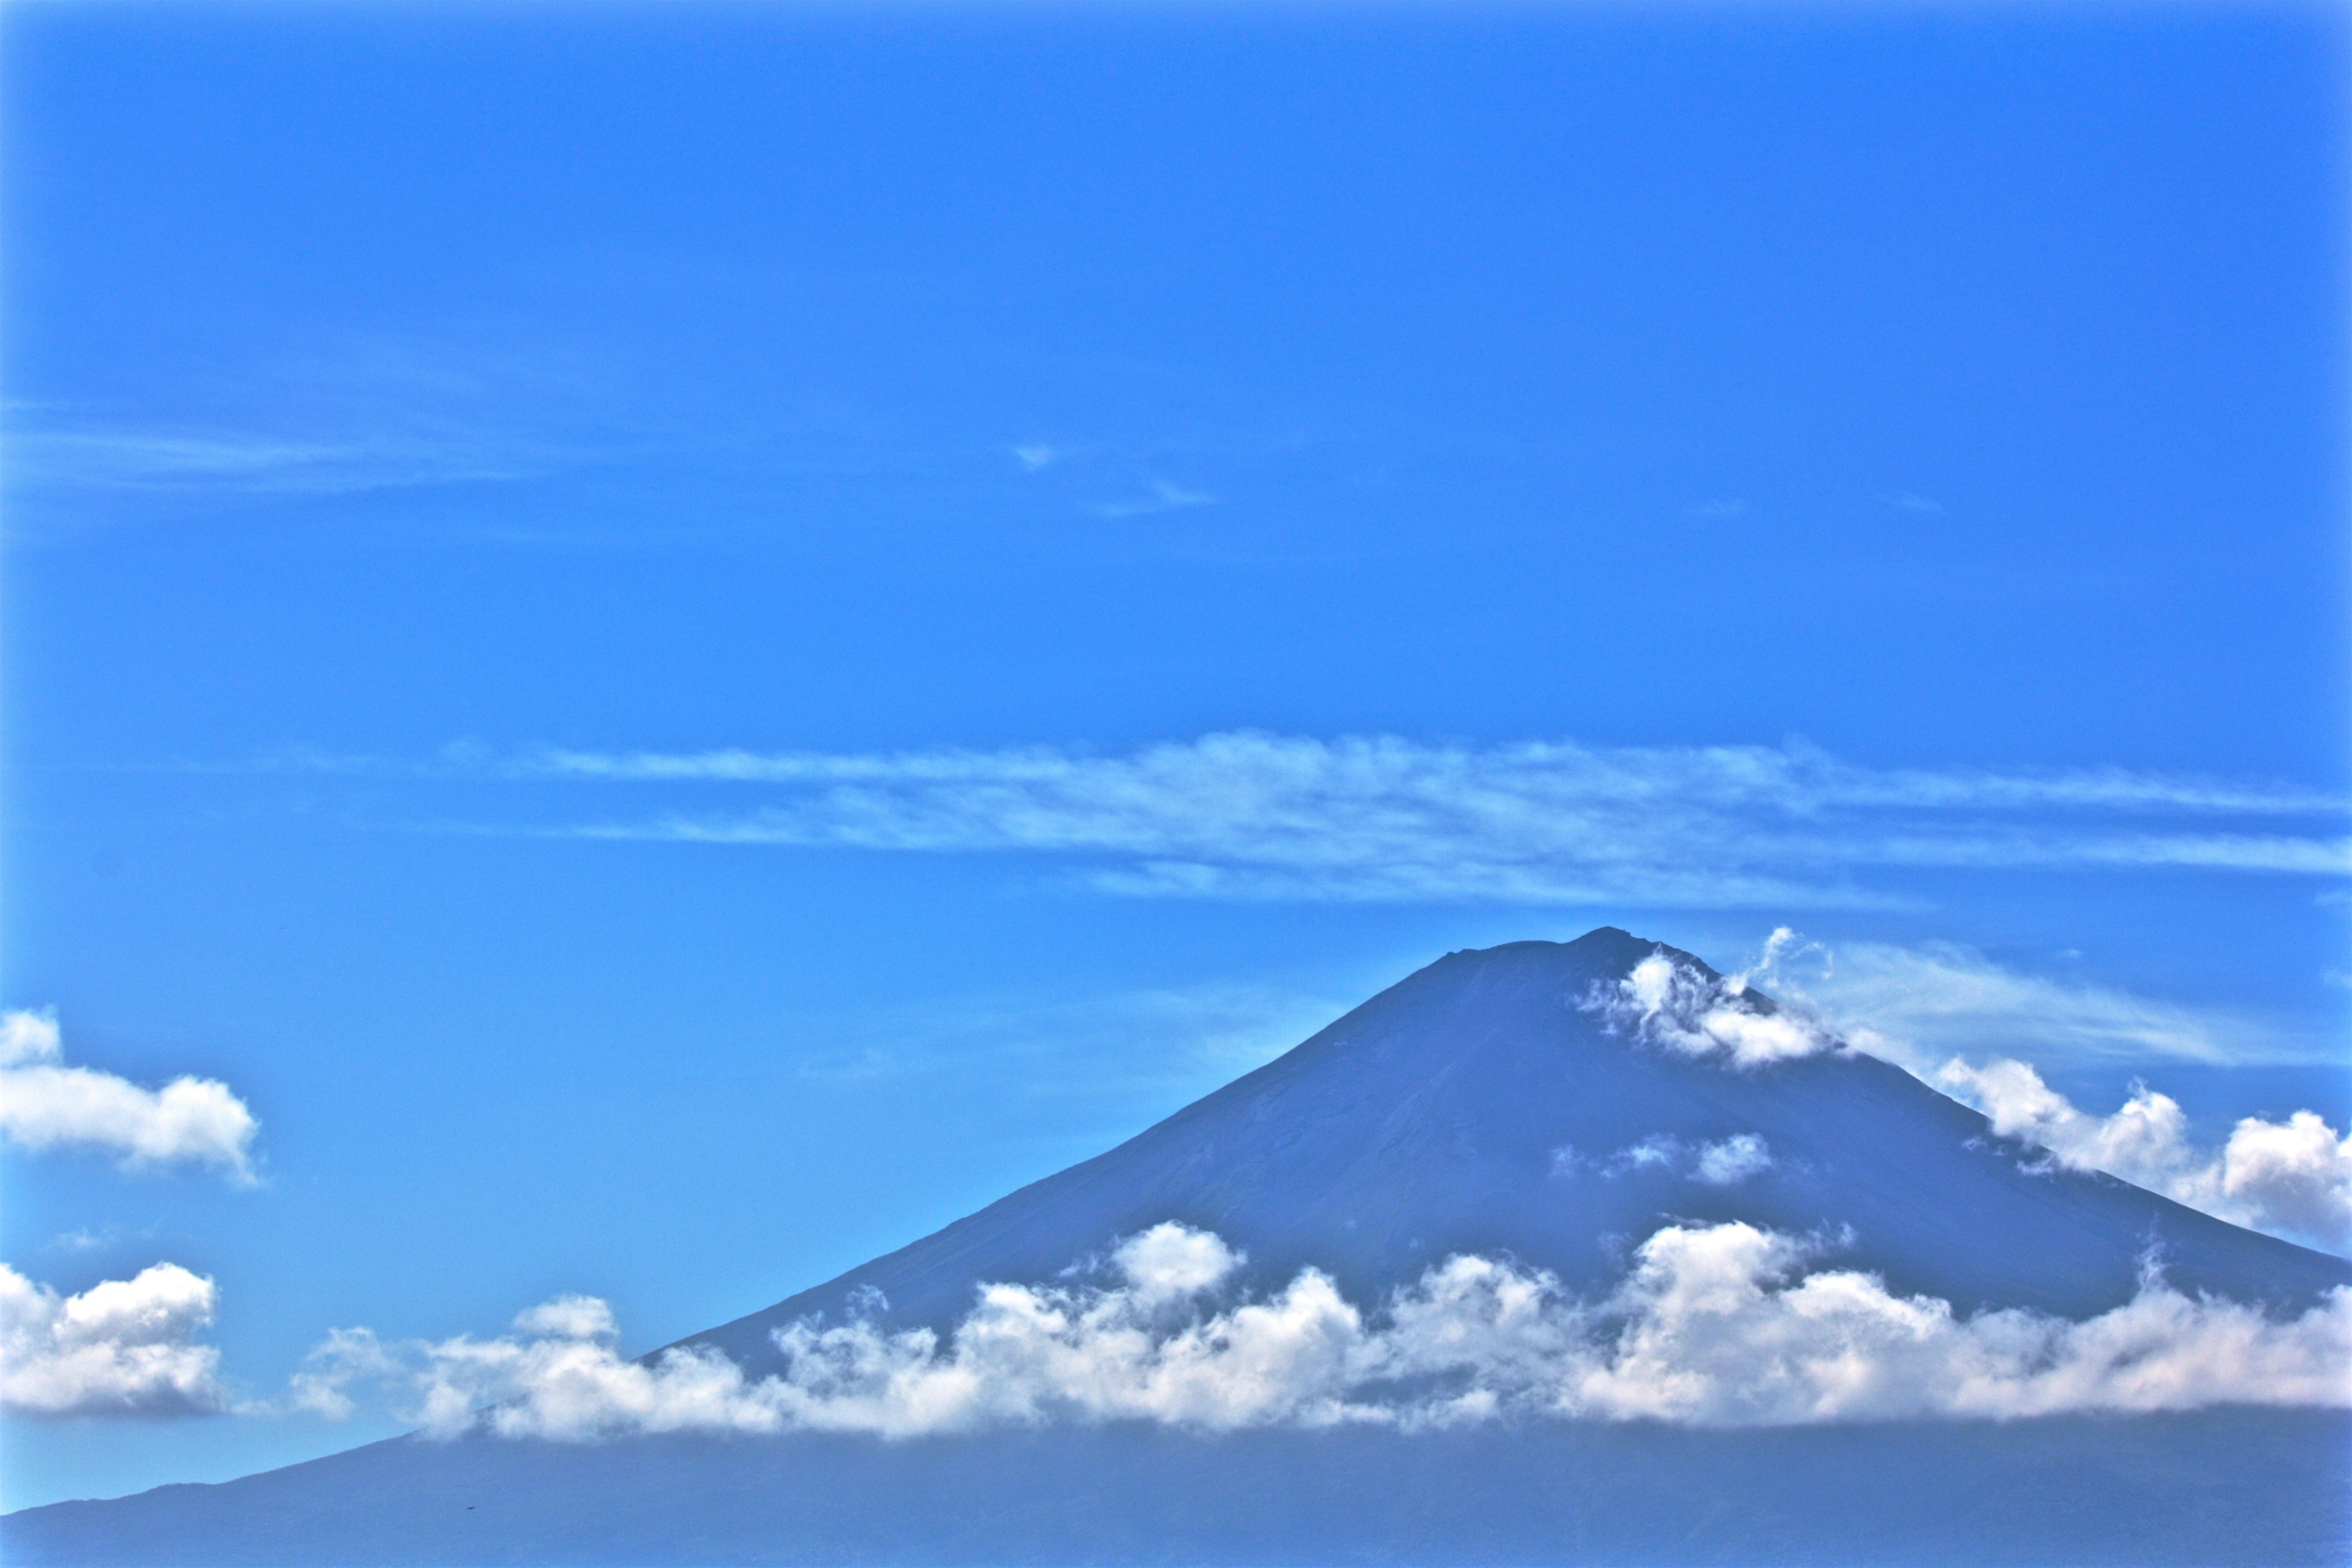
(1252, 816)
(123, 1347)
(45, 1104)
(1714, 1326)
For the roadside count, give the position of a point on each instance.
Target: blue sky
(684, 641)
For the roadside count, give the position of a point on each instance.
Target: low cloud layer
(1722, 1325)
(123, 1347)
(1254, 815)
(2291, 1178)
(45, 1104)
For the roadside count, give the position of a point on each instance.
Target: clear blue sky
(436, 434)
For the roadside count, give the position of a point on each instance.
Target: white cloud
(45, 1104)
(123, 1347)
(1714, 1325)
(1733, 1160)
(1723, 1163)
(1914, 1005)
(1680, 1009)
(1919, 1006)
(2291, 1178)
(1253, 816)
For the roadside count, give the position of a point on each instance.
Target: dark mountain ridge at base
(2258, 1488)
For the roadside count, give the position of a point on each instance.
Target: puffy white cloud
(1718, 1326)
(123, 1347)
(2291, 1178)
(569, 1318)
(1679, 1007)
(45, 1104)
(1713, 1325)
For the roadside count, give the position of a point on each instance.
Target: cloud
(178, 461)
(1164, 497)
(1035, 455)
(1733, 1160)
(123, 1347)
(1187, 1039)
(2291, 1178)
(1680, 1009)
(45, 1104)
(1714, 1326)
(1247, 815)
(1723, 1163)
(1912, 1006)
(1919, 1006)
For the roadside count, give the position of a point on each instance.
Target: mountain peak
(1518, 1099)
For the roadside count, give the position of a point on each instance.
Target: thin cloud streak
(1248, 816)
(1919, 1006)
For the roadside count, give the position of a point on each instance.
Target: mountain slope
(1475, 1107)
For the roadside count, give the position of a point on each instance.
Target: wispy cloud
(1921, 1006)
(45, 1104)
(1720, 1325)
(1933, 1008)
(1183, 1040)
(180, 460)
(1161, 497)
(1252, 816)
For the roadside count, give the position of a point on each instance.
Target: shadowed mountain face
(1485, 1105)
(1491, 1103)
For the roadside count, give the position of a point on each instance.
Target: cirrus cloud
(1252, 815)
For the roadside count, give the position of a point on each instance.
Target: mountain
(1516, 1102)
(1433, 1119)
